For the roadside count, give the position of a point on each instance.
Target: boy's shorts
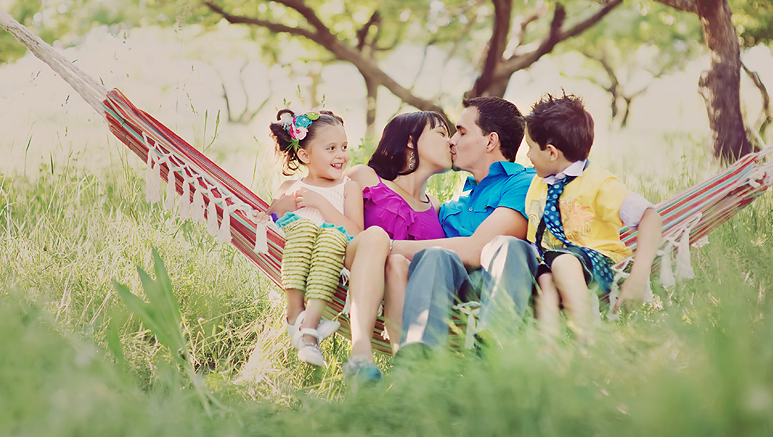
(550, 255)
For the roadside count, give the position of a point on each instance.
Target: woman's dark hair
(285, 146)
(391, 156)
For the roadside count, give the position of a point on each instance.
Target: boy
(582, 207)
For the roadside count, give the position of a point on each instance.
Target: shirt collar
(573, 169)
(505, 168)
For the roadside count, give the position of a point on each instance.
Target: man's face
(468, 145)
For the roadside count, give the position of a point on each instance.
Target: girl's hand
(284, 204)
(308, 198)
(263, 217)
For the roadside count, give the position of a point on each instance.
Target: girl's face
(327, 154)
(433, 148)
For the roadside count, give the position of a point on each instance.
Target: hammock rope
(208, 194)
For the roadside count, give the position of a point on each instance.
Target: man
(485, 256)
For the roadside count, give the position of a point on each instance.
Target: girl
(319, 214)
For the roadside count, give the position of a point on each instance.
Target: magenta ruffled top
(384, 208)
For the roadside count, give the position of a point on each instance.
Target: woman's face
(433, 148)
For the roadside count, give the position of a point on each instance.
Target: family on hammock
(419, 257)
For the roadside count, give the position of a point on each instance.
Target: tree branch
(343, 52)
(524, 21)
(682, 5)
(503, 11)
(767, 118)
(362, 34)
(274, 27)
(518, 62)
(555, 36)
(590, 21)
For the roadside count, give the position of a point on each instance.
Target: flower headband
(297, 126)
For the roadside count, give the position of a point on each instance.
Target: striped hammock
(204, 192)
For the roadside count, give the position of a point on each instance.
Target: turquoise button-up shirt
(505, 185)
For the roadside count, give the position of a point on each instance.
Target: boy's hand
(632, 292)
(308, 198)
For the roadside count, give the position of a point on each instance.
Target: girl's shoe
(310, 352)
(325, 329)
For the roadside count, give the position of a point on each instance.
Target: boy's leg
(434, 278)
(510, 264)
(569, 278)
(547, 306)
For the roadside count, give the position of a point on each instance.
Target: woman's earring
(411, 160)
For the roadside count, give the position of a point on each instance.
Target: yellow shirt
(590, 212)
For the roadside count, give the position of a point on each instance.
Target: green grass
(75, 361)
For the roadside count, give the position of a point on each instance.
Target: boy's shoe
(361, 371)
(325, 329)
(310, 352)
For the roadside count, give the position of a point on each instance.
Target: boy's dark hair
(285, 145)
(391, 156)
(564, 123)
(496, 114)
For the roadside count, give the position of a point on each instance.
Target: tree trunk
(371, 101)
(720, 86)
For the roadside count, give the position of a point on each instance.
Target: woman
(413, 147)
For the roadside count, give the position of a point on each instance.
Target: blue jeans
(438, 279)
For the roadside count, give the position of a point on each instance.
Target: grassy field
(75, 361)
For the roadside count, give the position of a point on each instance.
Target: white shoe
(325, 329)
(310, 352)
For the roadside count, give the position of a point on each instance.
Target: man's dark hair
(498, 115)
(564, 123)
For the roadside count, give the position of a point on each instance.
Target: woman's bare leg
(396, 274)
(365, 258)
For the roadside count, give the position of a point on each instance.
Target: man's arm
(503, 221)
(647, 243)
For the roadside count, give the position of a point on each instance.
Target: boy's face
(542, 160)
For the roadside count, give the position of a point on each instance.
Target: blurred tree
(753, 20)
(361, 33)
(720, 85)
(63, 20)
(627, 54)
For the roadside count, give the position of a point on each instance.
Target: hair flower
(312, 115)
(298, 133)
(302, 121)
(286, 119)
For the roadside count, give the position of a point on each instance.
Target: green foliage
(697, 362)
(753, 20)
